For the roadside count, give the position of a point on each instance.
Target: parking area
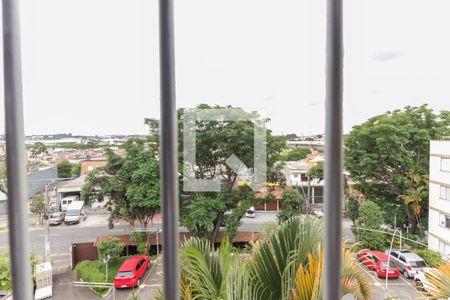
(400, 288)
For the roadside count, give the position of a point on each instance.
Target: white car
(250, 213)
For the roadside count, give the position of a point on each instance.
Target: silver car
(407, 262)
(56, 218)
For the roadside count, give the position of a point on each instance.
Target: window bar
(169, 151)
(15, 153)
(333, 151)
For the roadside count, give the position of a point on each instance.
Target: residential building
(439, 204)
(89, 165)
(296, 173)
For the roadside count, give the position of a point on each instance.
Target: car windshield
(54, 216)
(384, 264)
(418, 264)
(73, 213)
(125, 274)
(250, 211)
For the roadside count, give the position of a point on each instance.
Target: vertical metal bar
(169, 151)
(15, 153)
(333, 151)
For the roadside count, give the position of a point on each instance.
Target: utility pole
(47, 227)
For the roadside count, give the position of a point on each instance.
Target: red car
(131, 272)
(378, 261)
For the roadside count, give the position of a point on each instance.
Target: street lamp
(389, 261)
(105, 261)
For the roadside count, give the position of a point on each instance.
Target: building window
(445, 164)
(444, 193)
(444, 249)
(444, 221)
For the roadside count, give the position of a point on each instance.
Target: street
(95, 225)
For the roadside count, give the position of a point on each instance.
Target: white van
(75, 213)
(66, 201)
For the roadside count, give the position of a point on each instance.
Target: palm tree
(287, 265)
(439, 282)
(285, 249)
(212, 274)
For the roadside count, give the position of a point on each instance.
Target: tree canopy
(131, 182)
(388, 156)
(216, 141)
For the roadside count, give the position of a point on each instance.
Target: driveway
(400, 288)
(150, 286)
(64, 290)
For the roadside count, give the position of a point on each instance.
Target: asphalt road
(62, 236)
(399, 288)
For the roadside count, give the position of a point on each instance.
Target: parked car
(420, 278)
(56, 218)
(407, 262)
(251, 213)
(378, 262)
(131, 272)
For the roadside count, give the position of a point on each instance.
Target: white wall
(438, 234)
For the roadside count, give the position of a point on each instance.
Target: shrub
(370, 217)
(5, 272)
(432, 258)
(89, 271)
(112, 246)
(290, 204)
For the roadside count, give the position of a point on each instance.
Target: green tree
(381, 153)
(291, 203)
(370, 217)
(296, 154)
(76, 169)
(131, 182)
(64, 169)
(38, 148)
(234, 220)
(37, 206)
(316, 172)
(201, 212)
(111, 246)
(353, 208)
(216, 141)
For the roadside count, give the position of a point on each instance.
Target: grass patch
(94, 271)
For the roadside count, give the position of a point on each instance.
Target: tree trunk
(411, 218)
(216, 229)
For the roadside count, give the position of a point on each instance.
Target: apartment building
(439, 210)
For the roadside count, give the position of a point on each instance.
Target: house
(296, 173)
(89, 165)
(439, 203)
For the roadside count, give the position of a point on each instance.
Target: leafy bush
(112, 246)
(5, 272)
(140, 239)
(90, 271)
(370, 217)
(432, 258)
(290, 204)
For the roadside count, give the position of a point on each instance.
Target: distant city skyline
(92, 67)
